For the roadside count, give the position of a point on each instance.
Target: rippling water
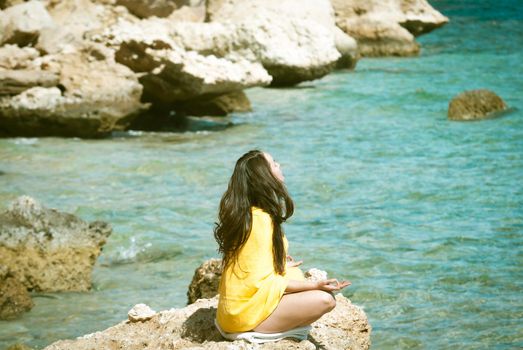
(423, 215)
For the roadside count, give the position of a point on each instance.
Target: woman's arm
(330, 285)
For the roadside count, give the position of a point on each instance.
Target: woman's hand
(332, 285)
(292, 263)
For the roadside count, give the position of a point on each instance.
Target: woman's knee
(327, 301)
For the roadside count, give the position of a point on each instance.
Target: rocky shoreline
(42, 249)
(86, 68)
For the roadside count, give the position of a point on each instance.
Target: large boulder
(172, 61)
(72, 20)
(295, 40)
(387, 28)
(475, 105)
(48, 250)
(192, 327)
(21, 24)
(94, 96)
(14, 298)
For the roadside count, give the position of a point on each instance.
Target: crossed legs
(297, 310)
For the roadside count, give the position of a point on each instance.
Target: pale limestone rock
(96, 96)
(188, 14)
(73, 19)
(385, 28)
(295, 40)
(192, 327)
(140, 313)
(48, 250)
(175, 71)
(13, 82)
(23, 22)
(14, 57)
(315, 274)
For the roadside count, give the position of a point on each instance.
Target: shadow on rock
(200, 327)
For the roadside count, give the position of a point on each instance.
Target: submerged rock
(387, 28)
(14, 298)
(48, 250)
(475, 105)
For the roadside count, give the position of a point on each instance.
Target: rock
(476, 105)
(13, 82)
(295, 40)
(315, 275)
(14, 298)
(14, 57)
(192, 327)
(8, 3)
(348, 48)
(48, 250)
(94, 96)
(148, 8)
(378, 38)
(188, 14)
(221, 105)
(73, 20)
(140, 313)
(173, 70)
(387, 28)
(23, 23)
(205, 281)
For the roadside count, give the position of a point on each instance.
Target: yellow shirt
(250, 289)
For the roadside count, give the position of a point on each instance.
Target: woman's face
(275, 167)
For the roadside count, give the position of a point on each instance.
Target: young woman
(261, 288)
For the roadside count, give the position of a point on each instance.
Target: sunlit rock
(48, 250)
(387, 28)
(295, 40)
(93, 96)
(21, 24)
(140, 313)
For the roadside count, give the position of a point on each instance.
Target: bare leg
(296, 310)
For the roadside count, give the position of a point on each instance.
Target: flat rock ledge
(48, 250)
(192, 327)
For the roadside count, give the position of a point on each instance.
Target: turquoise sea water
(423, 215)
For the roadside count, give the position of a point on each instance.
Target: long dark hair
(252, 184)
